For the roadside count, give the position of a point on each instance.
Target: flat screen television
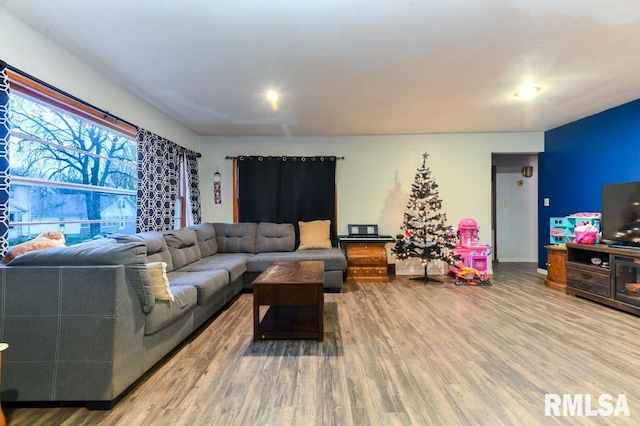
(621, 214)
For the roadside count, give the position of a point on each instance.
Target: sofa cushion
(166, 312)
(236, 237)
(100, 252)
(234, 263)
(315, 235)
(159, 280)
(208, 284)
(272, 237)
(157, 250)
(333, 259)
(206, 236)
(183, 246)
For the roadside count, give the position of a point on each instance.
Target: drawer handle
(585, 275)
(584, 286)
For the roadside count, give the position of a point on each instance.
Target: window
(70, 168)
(181, 219)
(178, 220)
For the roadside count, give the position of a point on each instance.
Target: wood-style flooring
(399, 353)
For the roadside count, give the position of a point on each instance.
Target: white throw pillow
(161, 288)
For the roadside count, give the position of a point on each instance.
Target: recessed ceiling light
(527, 92)
(272, 96)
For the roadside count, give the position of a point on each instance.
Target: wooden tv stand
(602, 274)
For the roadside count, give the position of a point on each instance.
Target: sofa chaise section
(334, 265)
(276, 243)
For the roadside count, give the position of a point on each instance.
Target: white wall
(31, 52)
(374, 180)
(516, 209)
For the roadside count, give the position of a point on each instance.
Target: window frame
(27, 86)
(45, 93)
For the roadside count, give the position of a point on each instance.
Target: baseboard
(517, 260)
(417, 272)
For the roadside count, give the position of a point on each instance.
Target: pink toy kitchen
(474, 255)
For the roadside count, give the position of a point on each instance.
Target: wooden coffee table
(294, 292)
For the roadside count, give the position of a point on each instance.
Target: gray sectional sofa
(83, 323)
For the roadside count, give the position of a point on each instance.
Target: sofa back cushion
(157, 250)
(272, 237)
(100, 252)
(183, 246)
(236, 237)
(206, 236)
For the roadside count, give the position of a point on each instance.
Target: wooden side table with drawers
(366, 258)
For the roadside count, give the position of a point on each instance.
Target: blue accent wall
(579, 158)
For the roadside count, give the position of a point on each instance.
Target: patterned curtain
(4, 159)
(193, 184)
(158, 172)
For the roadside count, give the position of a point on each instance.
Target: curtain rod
(62, 92)
(291, 156)
(183, 149)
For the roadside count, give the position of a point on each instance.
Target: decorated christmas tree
(426, 235)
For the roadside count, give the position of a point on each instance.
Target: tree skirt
(474, 283)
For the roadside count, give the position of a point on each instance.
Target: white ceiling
(356, 66)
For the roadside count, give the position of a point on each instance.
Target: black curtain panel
(287, 189)
(258, 189)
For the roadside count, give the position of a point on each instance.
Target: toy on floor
(471, 276)
(474, 255)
